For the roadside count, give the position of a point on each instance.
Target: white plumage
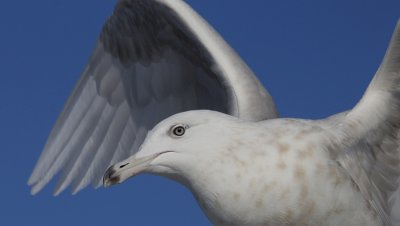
(157, 58)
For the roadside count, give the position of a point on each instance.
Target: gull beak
(130, 167)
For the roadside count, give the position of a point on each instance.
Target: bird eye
(178, 130)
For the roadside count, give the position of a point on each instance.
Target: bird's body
(159, 69)
(275, 172)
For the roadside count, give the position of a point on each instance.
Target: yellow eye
(178, 130)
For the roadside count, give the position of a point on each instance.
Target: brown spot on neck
(281, 165)
(319, 168)
(299, 172)
(269, 186)
(305, 153)
(282, 148)
(301, 135)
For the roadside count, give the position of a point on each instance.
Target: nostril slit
(122, 166)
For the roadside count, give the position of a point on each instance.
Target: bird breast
(285, 177)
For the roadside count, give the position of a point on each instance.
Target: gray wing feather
(368, 138)
(153, 59)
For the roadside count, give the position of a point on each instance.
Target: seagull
(163, 93)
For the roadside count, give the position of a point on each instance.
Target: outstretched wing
(154, 58)
(369, 135)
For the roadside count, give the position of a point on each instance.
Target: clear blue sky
(315, 57)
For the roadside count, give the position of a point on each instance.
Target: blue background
(315, 57)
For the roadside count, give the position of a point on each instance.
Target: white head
(174, 146)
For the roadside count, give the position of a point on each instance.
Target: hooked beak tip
(110, 178)
(121, 171)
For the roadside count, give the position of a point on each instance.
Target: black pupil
(179, 131)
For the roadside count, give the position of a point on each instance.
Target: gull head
(174, 146)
